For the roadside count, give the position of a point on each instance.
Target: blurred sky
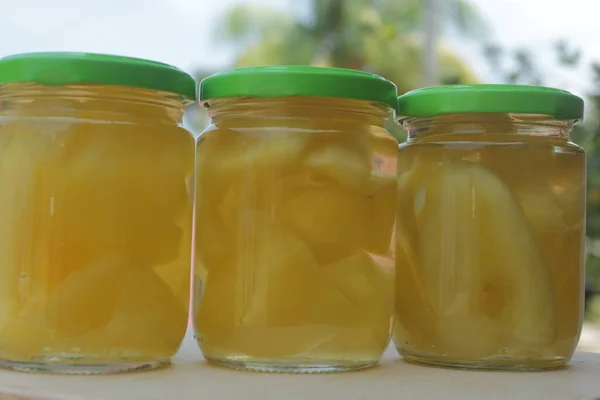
(180, 32)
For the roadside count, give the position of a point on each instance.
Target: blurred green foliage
(379, 36)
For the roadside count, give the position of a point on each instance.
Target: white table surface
(191, 377)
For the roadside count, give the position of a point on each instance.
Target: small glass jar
(295, 216)
(491, 227)
(96, 210)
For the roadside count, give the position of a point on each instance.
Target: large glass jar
(96, 210)
(491, 227)
(295, 216)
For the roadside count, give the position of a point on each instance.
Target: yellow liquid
(95, 239)
(294, 255)
(490, 251)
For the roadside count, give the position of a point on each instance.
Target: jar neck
(274, 110)
(107, 103)
(496, 127)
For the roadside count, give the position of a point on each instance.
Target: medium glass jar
(295, 216)
(491, 227)
(96, 211)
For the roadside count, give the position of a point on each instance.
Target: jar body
(295, 217)
(490, 249)
(96, 233)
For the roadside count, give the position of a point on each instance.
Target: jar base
(65, 368)
(492, 363)
(290, 367)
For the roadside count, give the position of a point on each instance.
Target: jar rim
(490, 98)
(69, 68)
(298, 81)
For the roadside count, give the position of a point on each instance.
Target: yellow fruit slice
(148, 316)
(357, 304)
(124, 191)
(26, 334)
(278, 268)
(86, 299)
(224, 155)
(380, 213)
(368, 288)
(260, 291)
(347, 160)
(483, 265)
(415, 315)
(220, 306)
(326, 214)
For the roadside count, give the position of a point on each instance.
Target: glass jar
(491, 227)
(96, 211)
(295, 216)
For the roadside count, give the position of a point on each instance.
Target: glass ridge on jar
(490, 229)
(96, 210)
(295, 216)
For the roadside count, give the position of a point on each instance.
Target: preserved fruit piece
(415, 313)
(486, 297)
(261, 291)
(379, 213)
(25, 333)
(254, 155)
(220, 306)
(366, 285)
(348, 162)
(86, 299)
(278, 267)
(148, 315)
(214, 242)
(102, 188)
(326, 214)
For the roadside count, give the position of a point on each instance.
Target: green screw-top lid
(490, 98)
(283, 81)
(64, 68)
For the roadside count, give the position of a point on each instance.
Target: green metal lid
(63, 68)
(283, 81)
(490, 98)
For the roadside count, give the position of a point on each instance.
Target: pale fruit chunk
(176, 274)
(380, 213)
(346, 160)
(415, 316)
(278, 268)
(148, 316)
(326, 215)
(260, 291)
(248, 153)
(368, 288)
(125, 191)
(213, 242)
(358, 304)
(542, 208)
(221, 306)
(483, 265)
(144, 167)
(16, 175)
(26, 334)
(86, 299)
